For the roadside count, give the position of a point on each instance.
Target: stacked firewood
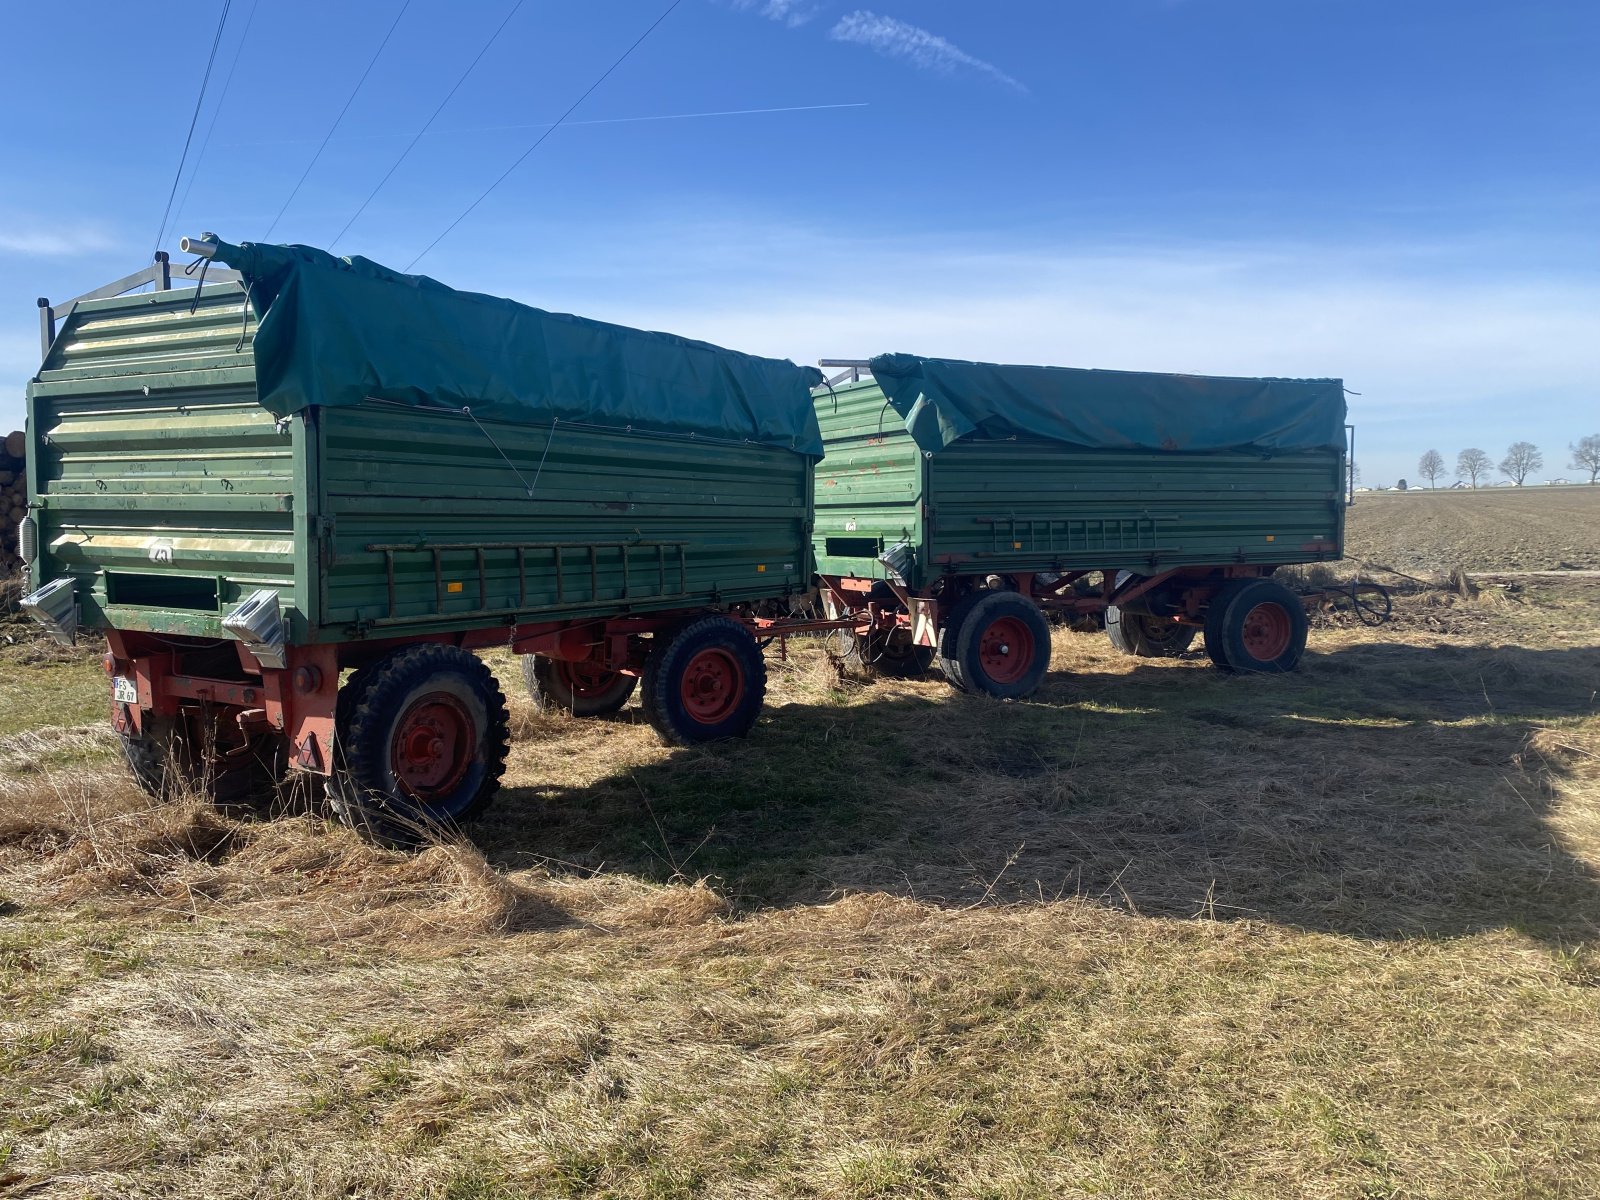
(13, 498)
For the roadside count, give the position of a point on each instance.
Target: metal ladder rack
(670, 557)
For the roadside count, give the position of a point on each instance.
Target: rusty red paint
(1006, 649)
(712, 685)
(1267, 631)
(434, 743)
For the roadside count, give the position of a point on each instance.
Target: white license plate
(124, 690)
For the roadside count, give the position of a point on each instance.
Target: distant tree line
(1522, 459)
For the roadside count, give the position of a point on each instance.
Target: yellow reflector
(1016, 545)
(1272, 537)
(453, 587)
(761, 566)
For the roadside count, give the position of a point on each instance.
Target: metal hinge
(322, 529)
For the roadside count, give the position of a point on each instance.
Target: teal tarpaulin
(337, 331)
(941, 400)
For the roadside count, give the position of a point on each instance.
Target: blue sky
(1404, 193)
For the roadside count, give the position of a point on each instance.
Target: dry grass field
(1490, 529)
(1159, 933)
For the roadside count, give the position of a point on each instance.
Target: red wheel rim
(712, 686)
(1266, 632)
(1006, 650)
(586, 680)
(433, 746)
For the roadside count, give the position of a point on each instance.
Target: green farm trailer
(296, 498)
(959, 503)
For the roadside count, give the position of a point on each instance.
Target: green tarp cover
(942, 400)
(337, 331)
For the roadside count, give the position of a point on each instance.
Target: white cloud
(34, 241)
(1447, 343)
(793, 13)
(897, 39)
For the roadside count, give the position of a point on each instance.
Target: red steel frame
(923, 612)
(299, 700)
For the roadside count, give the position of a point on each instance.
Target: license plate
(124, 690)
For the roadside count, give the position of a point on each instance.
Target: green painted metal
(1031, 505)
(170, 494)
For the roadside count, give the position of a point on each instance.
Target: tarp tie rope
(202, 263)
(528, 487)
(244, 325)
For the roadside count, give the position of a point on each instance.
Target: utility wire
(572, 108)
(199, 100)
(494, 37)
(227, 86)
(334, 127)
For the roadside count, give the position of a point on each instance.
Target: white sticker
(849, 526)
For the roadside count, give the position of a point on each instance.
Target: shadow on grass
(1382, 790)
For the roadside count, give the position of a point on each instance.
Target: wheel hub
(587, 680)
(433, 745)
(712, 686)
(1266, 632)
(1006, 650)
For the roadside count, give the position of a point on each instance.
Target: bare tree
(1586, 456)
(1431, 467)
(1521, 460)
(1472, 465)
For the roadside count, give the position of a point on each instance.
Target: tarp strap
(528, 487)
(244, 325)
(200, 283)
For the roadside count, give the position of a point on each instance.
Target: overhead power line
(222, 99)
(494, 37)
(194, 120)
(334, 127)
(540, 140)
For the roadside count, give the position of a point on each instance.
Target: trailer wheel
(949, 632)
(1256, 625)
(582, 689)
(168, 760)
(887, 654)
(1002, 646)
(1145, 635)
(895, 653)
(704, 682)
(422, 743)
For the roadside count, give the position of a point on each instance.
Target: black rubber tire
(551, 690)
(732, 648)
(949, 632)
(364, 789)
(979, 620)
(1215, 644)
(167, 761)
(1146, 636)
(1226, 627)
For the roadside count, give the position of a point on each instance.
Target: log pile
(13, 499)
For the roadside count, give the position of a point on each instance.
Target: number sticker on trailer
(124, 690)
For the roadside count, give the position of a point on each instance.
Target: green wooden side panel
(1033, 505)
(158, 482)
(1025, 505)
(614, 523)
(170, 494)
(869, 487)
